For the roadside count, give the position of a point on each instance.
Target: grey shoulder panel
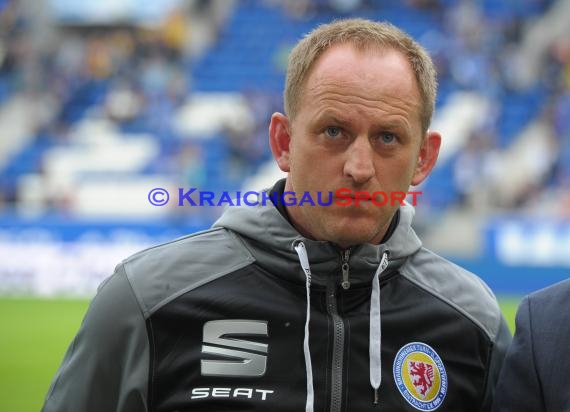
(113, 333)
(459, 288)
(162, 273)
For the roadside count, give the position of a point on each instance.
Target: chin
(346, 227)
(351, 237)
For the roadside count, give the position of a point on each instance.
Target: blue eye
(387, 138)
(333, 131)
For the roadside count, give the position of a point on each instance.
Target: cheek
(297, 152)
(397, 174)
(305, 161)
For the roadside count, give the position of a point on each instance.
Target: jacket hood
(271, 239)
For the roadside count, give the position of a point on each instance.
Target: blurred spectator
(247, 142)
(190, 165)
(475, 170)
(15, 49)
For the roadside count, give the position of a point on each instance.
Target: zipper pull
(345, 269)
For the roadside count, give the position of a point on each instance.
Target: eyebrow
(330, 116)
(385, 124)
(399, 125)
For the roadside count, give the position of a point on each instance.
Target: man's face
(357, 127)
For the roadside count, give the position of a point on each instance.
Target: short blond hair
(362, 34)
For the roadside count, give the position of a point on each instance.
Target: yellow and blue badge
(420, 376)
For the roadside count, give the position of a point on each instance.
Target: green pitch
(35, 335)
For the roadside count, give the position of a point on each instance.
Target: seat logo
(234, 356)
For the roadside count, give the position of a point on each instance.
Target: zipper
(338, 347)
(345, 255)
(338, 332)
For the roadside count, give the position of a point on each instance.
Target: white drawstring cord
(375, 339)
(304, 260)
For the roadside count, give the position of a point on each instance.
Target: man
(289, 307)
(534, 377)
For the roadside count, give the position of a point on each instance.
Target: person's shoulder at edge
(556, 291)
(547, 304)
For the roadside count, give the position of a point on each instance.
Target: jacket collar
(271, 238)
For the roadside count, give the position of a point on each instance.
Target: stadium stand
(184, 102)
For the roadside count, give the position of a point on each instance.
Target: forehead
(373, 74)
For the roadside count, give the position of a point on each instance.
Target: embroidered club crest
(420, 376)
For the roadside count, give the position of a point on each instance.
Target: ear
(427, 157)
(279, 140)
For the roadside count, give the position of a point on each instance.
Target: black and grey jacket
(251, 316)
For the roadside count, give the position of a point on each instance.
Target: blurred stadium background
(100, 102)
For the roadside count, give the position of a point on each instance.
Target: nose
(359, 164)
